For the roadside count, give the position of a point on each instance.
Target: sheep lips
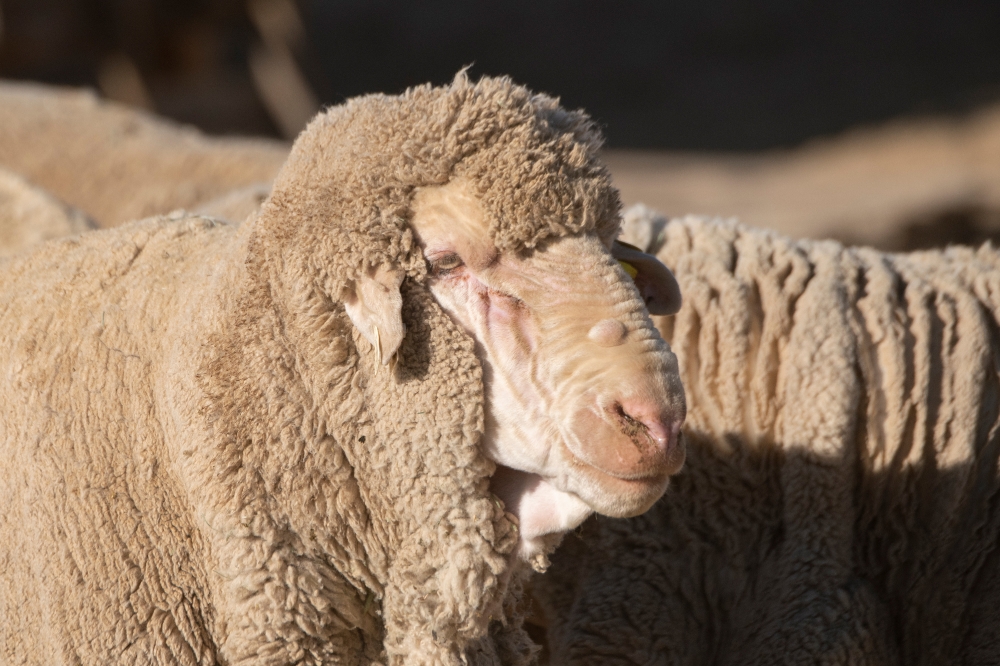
(627, 450)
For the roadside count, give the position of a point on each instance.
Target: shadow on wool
(734, 566)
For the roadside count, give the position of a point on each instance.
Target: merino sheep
(278, 442)
(841, 500)
(118, 164)
(29, 215)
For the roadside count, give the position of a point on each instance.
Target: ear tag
(629, 268)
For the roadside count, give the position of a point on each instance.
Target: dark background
(708, 75)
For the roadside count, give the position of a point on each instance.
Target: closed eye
(445, 264)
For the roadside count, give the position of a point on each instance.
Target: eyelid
(437, 255)
(449, 259)
(445, 263)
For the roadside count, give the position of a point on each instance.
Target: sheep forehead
(451, 217)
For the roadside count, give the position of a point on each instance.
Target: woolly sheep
(118, 164)
(264, 443)
(29, 215)
(840, 500)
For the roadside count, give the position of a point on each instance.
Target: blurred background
(872, 121)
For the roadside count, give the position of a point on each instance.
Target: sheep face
(584, 402)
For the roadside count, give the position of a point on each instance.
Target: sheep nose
(644, 422)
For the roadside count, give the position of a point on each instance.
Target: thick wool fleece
(118, 164)
(203, 462)
(29, 216)
(840, 503)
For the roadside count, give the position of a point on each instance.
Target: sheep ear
(655, 282)
(375, 305)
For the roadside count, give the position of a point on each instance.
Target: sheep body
(840, 500)
(146, 526)
(203, 461)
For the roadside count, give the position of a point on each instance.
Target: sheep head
(494, 200)
(584, 403)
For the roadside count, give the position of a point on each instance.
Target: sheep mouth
(616, 494)
(648, 463)
(638, 477)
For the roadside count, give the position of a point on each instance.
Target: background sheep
(840, 500)
(208, 460)
(29, 215)
(906, 184)
(118, 164)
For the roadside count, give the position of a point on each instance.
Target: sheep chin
(544, 512)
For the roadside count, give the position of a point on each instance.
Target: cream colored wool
(116, 163)
(29, 215)
(203, 462)
(840, 500)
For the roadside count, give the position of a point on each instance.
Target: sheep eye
(446, 264)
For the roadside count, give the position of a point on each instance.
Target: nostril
(637, 422)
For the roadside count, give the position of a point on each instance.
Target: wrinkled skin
(583, 400)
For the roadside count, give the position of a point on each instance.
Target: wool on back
(839, 503)
(101, 552)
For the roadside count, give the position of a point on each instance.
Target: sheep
(840, 500)
(29, 215)
(118, 164)
(896, 185)
(344, 430)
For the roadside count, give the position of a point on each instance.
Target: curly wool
(840, 499)
(533, 164)
(206, 462)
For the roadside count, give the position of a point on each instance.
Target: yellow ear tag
(629, 268)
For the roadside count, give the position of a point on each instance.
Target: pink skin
(584, 403)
